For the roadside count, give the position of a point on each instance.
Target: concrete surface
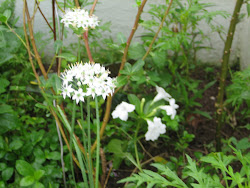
(122, 14)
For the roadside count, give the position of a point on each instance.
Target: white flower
(155, 128)
(78, 96)
(79, 18)
(121, 111)
(66, 90)
(161, 94)
(86, 80)
(170, 109)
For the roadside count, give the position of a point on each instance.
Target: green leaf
(4, 108)
(138, 66)
(27, 181)
(121, 38)
(159, 58)
(121, 81)
(136, 51)
(3, 18)
(2, 142)
(7, 173)
(115, 146)
(16, 144)
(7, 14)
(38, 174)
(58, 45)
(54, 155)
(2, 185)
(8, 121)
(68, 56)
(2, 166)
(24, 168)
(3, 85)
(133, 99)
(38, 185)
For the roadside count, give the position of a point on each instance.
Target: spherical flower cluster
(79, 18)
(82, 80)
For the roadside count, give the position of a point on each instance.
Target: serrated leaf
(24, 168)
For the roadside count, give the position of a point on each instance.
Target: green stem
(89, 145)
(13, 31)
(98, 143)
(78, 50)
(135, 145)
(71, 140)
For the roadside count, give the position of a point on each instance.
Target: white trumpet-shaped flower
(171, 108)
(121, 111)
(155, 128)
(87, 79)
(161, 94)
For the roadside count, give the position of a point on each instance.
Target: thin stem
(89, 144)
(37, 56)
(158, 31)
(44, 17)
(135, 145)
(13, 31)
(125, 53)
(86, 41)
(61, 148)
(71, 140)
(109, 99)
(98, 143)
(93, 7)
(79, 50)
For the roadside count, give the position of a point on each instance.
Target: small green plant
(221, 174)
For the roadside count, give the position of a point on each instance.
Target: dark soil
(202, 127)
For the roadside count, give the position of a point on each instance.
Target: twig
(158, 31)
(125, 53)
(109, 99)
(107, 178)
(37, 56)
(44, 16)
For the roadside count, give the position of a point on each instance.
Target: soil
(202, 127)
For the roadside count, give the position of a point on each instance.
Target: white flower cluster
(87, 79)
(155, 127)
(79, 18)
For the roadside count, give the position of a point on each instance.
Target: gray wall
(122, 14)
